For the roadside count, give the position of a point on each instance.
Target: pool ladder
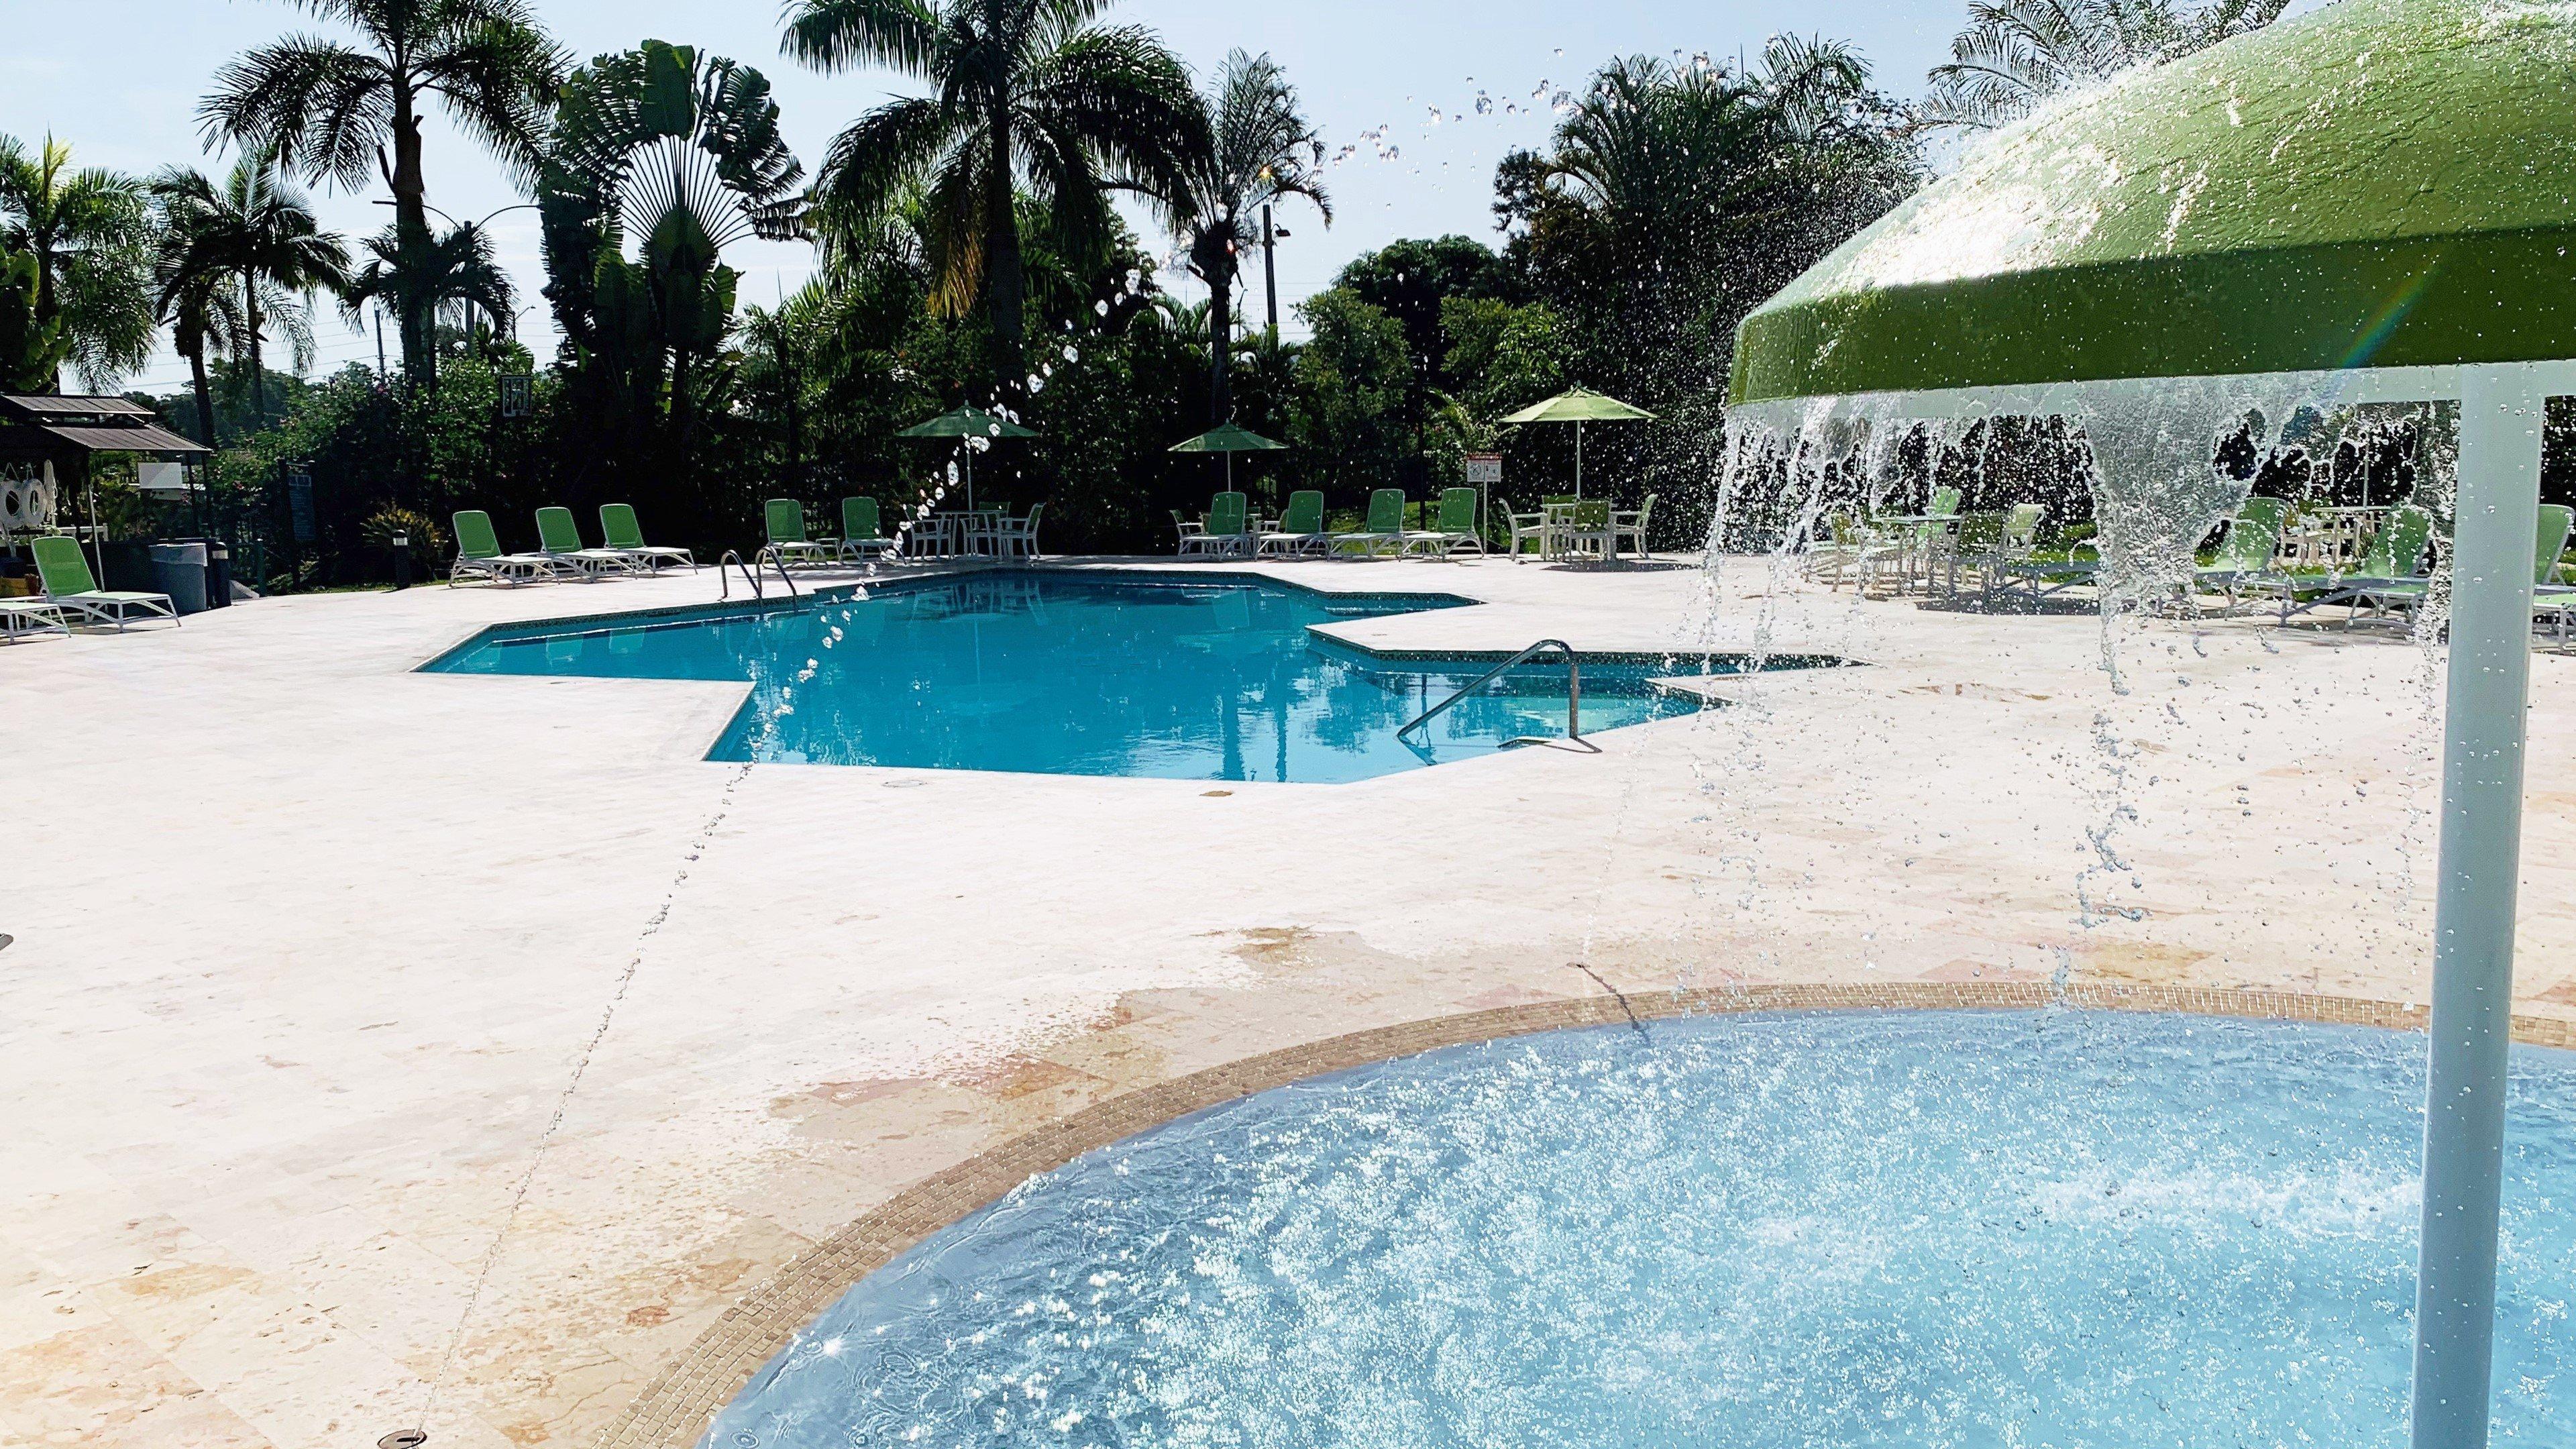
(751, 574)
(1573, 696)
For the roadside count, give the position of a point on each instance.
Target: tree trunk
(1220, 342)
(411, 238)
(205, 396)
(1004, 285)
(258, 369)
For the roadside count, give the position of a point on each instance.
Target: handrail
(1573, 695)
(750, 574)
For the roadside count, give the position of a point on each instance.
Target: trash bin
(179, 570)
(219, 570)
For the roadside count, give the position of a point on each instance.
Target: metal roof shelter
(62, 433)
(2373, 202)
(62, 429)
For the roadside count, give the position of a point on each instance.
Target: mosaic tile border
(674, 1410)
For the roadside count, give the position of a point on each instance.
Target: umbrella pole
(1578, 460)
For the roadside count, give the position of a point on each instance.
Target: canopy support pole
(2473, 922)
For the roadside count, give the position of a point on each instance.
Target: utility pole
(383, 378)
(1270, 270)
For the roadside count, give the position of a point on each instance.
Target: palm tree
(1024, 93)
(199, 303)
(90, 233)
(1260, 151)
(259, 229)
(328, 110)
(2016, 53)
(415, 278)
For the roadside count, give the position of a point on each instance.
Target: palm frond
(320, 107)
(833, 35)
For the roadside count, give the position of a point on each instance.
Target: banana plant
(681, 153)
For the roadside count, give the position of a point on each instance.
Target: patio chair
(1526, 528)
(1301, 528)
(2248, 549)
(861, 537)
(1633, 526)
(2387, 566)
(1384, 528)
(70, 589)
(559, 538)
(619, 530)
(1225, 533)
(1971, 553)
(1456, 529)
(1187, 528)
(784, 521)
(22, 617)
(479, 555)
(1850, 547)
(2548, 595)
(1016, 536)
(1591, 530)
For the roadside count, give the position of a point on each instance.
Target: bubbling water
(1863, 1229)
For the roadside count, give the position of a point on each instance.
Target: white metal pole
(2482, 749)
(1578, 459)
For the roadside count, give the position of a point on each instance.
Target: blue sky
(120, 79)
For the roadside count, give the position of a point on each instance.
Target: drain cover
(403, 1439)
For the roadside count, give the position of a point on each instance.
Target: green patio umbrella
(967, 421)
(1229, 439)
(1580, 405)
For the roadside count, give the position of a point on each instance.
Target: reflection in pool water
(1850, 1229)
(1085, 676)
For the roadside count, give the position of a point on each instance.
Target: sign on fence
(518, 395)
(299, 504)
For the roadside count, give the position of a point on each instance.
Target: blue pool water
(2080, 1230)
(1082, 676)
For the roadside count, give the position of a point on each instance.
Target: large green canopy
(1227, 438)
(1579, 405)
(967, 422)
(2377, 183)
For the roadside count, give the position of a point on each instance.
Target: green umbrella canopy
(967, 422)
(2378, 183)
(1579, 405)
(1227, 438)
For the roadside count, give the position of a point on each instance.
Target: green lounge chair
(1456, 529)
(2247, 551)
(2387, 574)
(2549, 540)
(1384, 529)
(1301, 528)
(1225, 532)
(479, 555)
(559, 538)
(619, 530)
(21, 617)
(784, 518)
(69, 586)
(860, 535)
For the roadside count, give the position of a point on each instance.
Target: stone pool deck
(308, 946)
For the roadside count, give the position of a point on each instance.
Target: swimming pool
(1952, 1229)
(1084, 675)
